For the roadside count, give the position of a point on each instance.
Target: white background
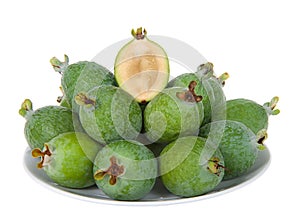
(257, 42)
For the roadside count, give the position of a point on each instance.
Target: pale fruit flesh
(142, 69)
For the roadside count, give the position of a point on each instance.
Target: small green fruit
(173, 113)
(142, 67)
(125, 170)
(68, 159)
(45, 123)
(253, 115)
(238, 144)
(210, 88)
(81, 76)
(183, 171)
(108, 113)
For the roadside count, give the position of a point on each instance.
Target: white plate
(158, 196)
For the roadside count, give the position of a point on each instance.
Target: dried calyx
(113, 171)
(83, 100)
(43, 154)
(261, 136)
(214, 166)
(60, 98)
(190, 95)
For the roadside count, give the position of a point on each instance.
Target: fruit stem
(139, 33)
(190, 95)
(59, 66)
(26, 109)
(114, 170)
(83, 100)
(43, 154)
(270, 106)
(261, 136)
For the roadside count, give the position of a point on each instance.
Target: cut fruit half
(142, 67)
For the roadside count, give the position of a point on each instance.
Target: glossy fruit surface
(142, 67)
(238, 144)
(45, 123)
(172, 114)
(125, 170)
(68, 159)
(186, 171)
(108, 113)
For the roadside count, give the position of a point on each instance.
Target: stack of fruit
(124, 131)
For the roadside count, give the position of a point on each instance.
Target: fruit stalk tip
(26, 108)
(139, 33)
(270, 106)
(59, 66)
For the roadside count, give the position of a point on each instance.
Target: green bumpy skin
(114, 116)
(237, 143)
(71, 162)
(167, 117)
(47, 122)
(181, 170)
(213, 98)
(139, 170)
(248, 112)
(84, 76)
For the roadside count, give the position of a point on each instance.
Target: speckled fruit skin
(47, 122)
(84, 76)
(167, 117)
(213, 98)
(140, 170)
(115, 116)
(238, 146)
(181, 171)
(71, 164)
(248, 112)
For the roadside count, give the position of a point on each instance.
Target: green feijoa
(81, 76)
(46, 122)
(125, 170)
(238, 144)
(173, 113)
(108, 113)
(186, 169)
(68, 159)
(209, 87)
(250, 113)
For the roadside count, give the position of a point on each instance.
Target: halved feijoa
(142, 67)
